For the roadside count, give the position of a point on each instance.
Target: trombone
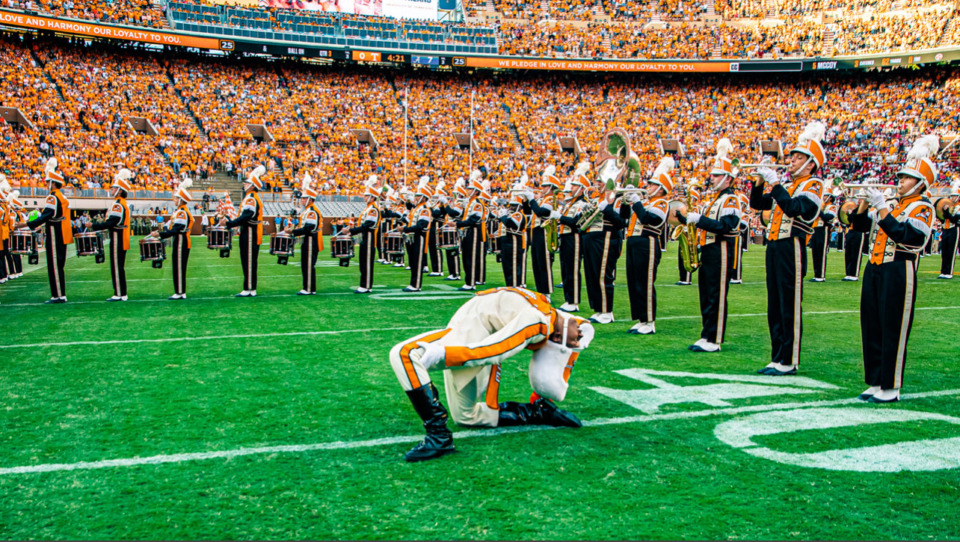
(739, 165)
(854, 191)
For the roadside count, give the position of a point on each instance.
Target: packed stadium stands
(78, 98)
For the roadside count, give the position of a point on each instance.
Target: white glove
(875, 197)
(555, 215)
(632, 198)
(443, 200)
(503, 213)
(693, 218)
(432, 354)
(602, 205)
(527, 196)
(769, 176)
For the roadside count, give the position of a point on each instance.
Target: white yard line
(214, 337)
(390, 441)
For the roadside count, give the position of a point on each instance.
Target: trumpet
(853, 191)
(739, 165)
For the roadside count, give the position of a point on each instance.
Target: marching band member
(948, 239)
(490, 328)
(6, 268)
(854, 243)
(540, 254)
(453, 208)
(56, 218)
(686, 277)
(418, 227)
(471, 223)
(180, 227)
(118, 224)
(743, 240)
(16, 214)
(794, 210)
(571, 240)
(311, 229)
(513, 241)
(602, 242)
(433, 236)
(369, 221)
(251, 230)
(899, 229)
(645, 227)
(485, 197)
(717, 232)
(820, 240)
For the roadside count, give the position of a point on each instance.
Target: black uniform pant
(744, 237)
(481, 259)
(840, 239)
(453, 262)
(118, 260)
(854, 242)
(14, 264)
(56, 259)
(600, 255)
(249, 254)
(512, 258)
(819, 247)
(643, 257)
(786, 264)
(6, 267)
(542, 261)
(570, 257)
(436, 258)
(886, 316)
(416, 250)
(716, 265)
(471, 247)
(948, 250)
(181, 253)
(737, 250)
(366, 257)
(308, 261)
(928, 248)
(685, 276)
(381, 230)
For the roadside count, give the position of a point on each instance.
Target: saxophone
(687, 236)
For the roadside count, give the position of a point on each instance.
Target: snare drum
(23, 242)
(341, 247)
(89, 244)
(393, 243)
(220, 239)
(449, 238)
(281, 245)
(153, 250)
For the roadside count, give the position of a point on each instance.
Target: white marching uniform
(487, 330)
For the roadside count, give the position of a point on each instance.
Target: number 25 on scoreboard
(366, 56)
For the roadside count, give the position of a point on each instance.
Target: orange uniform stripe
(493, 388)
(458, 355)
(405, 355)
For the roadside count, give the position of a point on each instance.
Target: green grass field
(280, 418)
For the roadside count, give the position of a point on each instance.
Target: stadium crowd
(77, 101)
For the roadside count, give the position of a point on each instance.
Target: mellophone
(154, 251)
(282, 246)
(26, 242)
(220, 239)
(341, 247)
(90, 244)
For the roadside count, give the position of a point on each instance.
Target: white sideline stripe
(389, 441)
(805, 313)
(216, 337)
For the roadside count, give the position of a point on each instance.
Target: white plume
(524, 179)
(424, 180)
(372, 180)
(666, 166)
(813, 132)
(123, 175)
(258, 171)
(582, 169)
(307, 179)
(13, 195)
(485, 185)
(475, 175)
(550, 171)
(4, 186)
(441, 185)
(186, 184)
(925, 147)
(723, 148)
(51, 165)
(461, 182)
(955, 184)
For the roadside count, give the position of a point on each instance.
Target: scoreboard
(413, 60)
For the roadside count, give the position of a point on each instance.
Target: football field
(279, 417)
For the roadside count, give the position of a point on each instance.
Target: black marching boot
(439, 440)
(540, 412)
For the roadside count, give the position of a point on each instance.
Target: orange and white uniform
(487, 330)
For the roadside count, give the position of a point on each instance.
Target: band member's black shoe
(439, 439)
(540, 412)
(55, 300)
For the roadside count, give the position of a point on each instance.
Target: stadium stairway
(513, 128)
(221, 181)
(828, 37)
(948, 29)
